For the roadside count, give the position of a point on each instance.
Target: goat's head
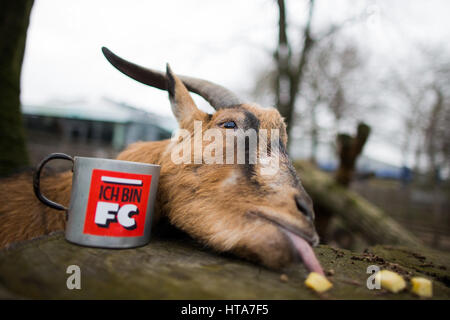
(234, 207)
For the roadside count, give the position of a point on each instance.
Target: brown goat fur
(220, 205)
(22, 215)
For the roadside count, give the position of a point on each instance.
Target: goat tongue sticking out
(306, 253)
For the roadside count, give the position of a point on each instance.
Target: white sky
(227, 42)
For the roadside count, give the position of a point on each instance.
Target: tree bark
(430, 136)
(314, 133)
(289, 72)
(349, 148)
(14, 20)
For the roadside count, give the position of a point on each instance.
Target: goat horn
(216, 95)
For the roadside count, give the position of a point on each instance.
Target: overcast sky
(227, 42)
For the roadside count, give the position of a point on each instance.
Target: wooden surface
(181, 269)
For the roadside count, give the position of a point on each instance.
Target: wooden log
(181, 269)
(358, 214)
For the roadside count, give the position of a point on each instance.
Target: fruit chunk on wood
(390, 280)
(422, 287)
(318, 282)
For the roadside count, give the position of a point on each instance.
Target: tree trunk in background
(349, 148)
(430, 136)
(14, 19)
(289, 72)
(314, 134)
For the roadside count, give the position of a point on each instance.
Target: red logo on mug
(117, 204)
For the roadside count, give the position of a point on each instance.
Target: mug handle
(37, 180)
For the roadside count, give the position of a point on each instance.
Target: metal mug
(111, 203)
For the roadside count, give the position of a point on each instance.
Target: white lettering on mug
(105, 213)
(108, 212)
(124, 216)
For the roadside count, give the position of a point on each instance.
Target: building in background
(103, 128)
(90, 128)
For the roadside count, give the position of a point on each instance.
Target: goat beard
(306, 253)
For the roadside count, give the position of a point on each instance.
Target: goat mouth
(300, 242)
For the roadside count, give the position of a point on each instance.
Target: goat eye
(229, 125)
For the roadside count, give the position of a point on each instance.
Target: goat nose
(303, 208)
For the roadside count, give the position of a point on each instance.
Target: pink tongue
(307, 253)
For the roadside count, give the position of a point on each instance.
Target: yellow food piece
(317, 282)
(422, 287)
(284, 278)
(390, 280)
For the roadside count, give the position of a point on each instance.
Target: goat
(268, 219)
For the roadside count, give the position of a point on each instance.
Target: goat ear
(183, 106)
